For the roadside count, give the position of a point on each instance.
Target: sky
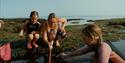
(22, 8)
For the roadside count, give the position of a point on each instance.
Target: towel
(5, 52)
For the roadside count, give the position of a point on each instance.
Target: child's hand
(63, 54)
(21, 34)
(33, 32)
(50, 44)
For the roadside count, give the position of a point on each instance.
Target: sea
(88, 17)
(84, 19)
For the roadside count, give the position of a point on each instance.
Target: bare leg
(116, 58)
(30, 38)
(36, 37)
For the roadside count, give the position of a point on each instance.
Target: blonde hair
(92, 30)
(53, 16)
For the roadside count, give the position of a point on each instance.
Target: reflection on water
(120, 45)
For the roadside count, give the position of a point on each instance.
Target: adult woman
(31, 27)
(92, 36)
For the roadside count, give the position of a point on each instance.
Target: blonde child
(92, 36)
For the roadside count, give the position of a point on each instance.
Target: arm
(104, 53)
(45, 37)
(115, 58)
(23, 28)
(80, 51)
(39, 28)
(64, 21)
(0, 25)
(44, 33)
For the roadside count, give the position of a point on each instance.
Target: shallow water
(78, 22)
(120, 45)
(39, 60)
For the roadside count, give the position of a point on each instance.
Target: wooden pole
(50, 55)
(50, 52)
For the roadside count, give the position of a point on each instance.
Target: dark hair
(51, 15)
(34, 13)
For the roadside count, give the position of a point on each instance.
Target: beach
(9, 33)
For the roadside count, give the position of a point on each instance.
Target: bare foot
(29, 46)
(35, 45)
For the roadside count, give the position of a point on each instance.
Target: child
(92, 36)
(61, 32)
(31, 27)
(53, 28)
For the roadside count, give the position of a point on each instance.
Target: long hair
(52, 16)
(92, 30)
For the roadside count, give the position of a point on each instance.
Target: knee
(30, 36)
(36, 36)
